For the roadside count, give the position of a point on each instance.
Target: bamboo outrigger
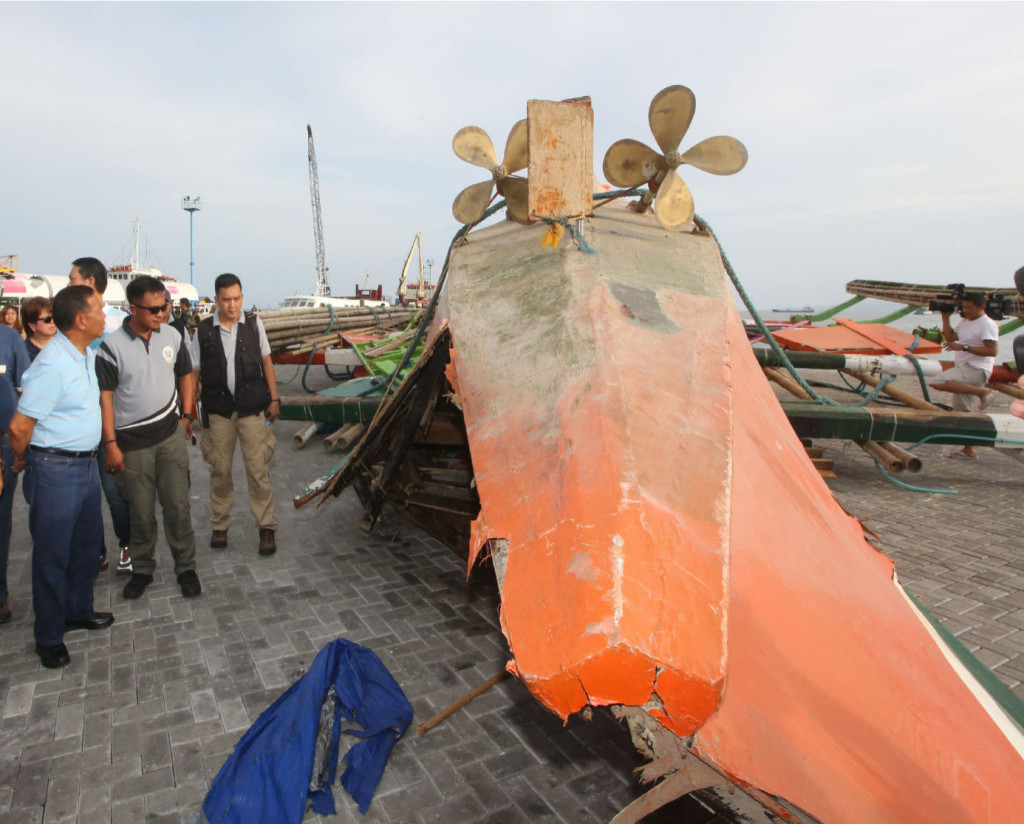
(591, 417)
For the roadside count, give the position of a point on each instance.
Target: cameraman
(976, 343)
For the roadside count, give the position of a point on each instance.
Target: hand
(274, 411)
(19, 464)
(188, 428)
(950, 345)
(115, 459)
(1017, 407)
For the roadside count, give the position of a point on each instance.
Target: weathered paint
(838, 698)
(580, 446)
(850, 341)
(638, 497)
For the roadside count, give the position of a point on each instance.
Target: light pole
(191, 205)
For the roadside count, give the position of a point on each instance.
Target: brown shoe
(5, 612)
(219, 538)
(268, 542)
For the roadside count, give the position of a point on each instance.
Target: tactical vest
(251, 393)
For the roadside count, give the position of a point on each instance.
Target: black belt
(64, 453)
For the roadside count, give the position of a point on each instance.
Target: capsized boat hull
(632, 462)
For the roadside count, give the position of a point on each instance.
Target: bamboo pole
(302, 437)
(893, 392)
(786, 382)
(908, 459)
(1006, 389)
(427, 726)
(341, 439)
(886, 458)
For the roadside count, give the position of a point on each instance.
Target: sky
(884, 138)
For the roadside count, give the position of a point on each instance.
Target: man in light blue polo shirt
(54, 437)
(14, 361)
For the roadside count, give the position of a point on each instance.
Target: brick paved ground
(139, 723)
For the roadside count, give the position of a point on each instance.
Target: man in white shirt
(975, 342)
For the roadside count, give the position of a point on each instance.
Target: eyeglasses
(153, 310)
(45, 319)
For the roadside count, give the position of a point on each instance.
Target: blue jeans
(64, 518)
(115, 501)
(6, 502)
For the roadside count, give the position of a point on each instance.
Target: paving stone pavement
(136, 727)
(139, 723)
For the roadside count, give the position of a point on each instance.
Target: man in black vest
(238, 392)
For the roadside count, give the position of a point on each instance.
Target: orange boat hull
(632, 464)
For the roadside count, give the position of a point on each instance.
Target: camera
(997, 305)
(951, 302)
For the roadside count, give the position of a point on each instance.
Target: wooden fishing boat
(591, 418)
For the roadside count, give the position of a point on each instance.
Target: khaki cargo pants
(160, 471)
(218, 447)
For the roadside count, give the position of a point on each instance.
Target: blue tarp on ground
(268, 777)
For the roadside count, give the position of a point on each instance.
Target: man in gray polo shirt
(145, 379)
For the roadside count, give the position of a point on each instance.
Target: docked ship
(122, 274)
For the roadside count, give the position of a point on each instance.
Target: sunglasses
(45, 319)
(153, 310)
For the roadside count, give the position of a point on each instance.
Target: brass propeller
(630, 163)
(474, 146)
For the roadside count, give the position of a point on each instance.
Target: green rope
(309, 360)
(911, 487)
(428, 314)
(778, 350)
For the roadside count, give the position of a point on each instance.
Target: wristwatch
(965, 347)
(188, 416)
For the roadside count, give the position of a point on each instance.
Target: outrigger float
(590, 417)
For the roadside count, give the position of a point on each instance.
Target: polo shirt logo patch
(168, 353)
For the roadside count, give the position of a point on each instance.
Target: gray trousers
(163, 471)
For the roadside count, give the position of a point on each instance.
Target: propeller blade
(516, 191)
(670, 114)
(674, 204)
(473, 145)
(720, 155)
(516, 149)
(628, 163)
(472, 202)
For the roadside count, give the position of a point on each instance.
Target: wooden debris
(427, 726)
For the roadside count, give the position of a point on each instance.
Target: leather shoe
(99, 620)
(136, 585)
(189, 583)
(268, 542)
(53, 657)
(5, 612)
(218, 539)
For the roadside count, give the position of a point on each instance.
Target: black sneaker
(136, 585)
(189, 583)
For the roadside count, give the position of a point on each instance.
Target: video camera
(997, 305)
(949, 303)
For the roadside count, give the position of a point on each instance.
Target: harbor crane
(323, 289)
